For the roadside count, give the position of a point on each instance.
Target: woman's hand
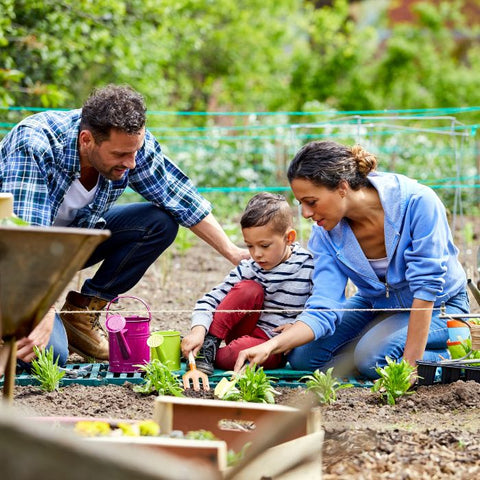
(193, 341)
(295, 335)
(254, 355)
(38, 337)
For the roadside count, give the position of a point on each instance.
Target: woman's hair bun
(366, 161)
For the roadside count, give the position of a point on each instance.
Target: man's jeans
(363, 338)
(141, 232)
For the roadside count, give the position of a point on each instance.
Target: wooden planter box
(286, 443)
(207, 452)
(227, 420)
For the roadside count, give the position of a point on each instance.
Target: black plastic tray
(450, 372)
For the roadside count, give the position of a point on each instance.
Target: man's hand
(239, 254)
(283, 328)
(38, 337)
(193, 341)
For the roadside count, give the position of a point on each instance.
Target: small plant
(46, 370)
(96, 428)
(324, 385)
(200, 435)
(233, 458)
(158, 378)
(395, 380)
(252, 386)
(470, 353)
(93, 428)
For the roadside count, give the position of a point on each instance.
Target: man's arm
(210, 231)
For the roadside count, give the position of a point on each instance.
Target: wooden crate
(207, 452)
(227, 420)
(34, 450)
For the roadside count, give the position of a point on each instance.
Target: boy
(255, 301)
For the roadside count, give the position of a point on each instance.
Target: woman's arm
(299, 334)
(418, 327)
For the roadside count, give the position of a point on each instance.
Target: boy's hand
(193, 341)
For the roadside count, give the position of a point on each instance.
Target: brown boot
(85, 334)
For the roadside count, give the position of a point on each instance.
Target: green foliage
(469, 351)
(251, 386)
(46, 370)
(233, 458)
(395, 380)
(250, 56)
(184, 241)
(158, 378)
(324, 385)
(270, 56)
(200, 435)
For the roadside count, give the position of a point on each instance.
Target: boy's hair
(266, 208)
(113, 106)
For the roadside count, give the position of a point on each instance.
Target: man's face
(113, 157)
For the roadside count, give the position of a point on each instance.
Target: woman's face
(325, 207)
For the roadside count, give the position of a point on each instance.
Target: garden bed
(433, 433)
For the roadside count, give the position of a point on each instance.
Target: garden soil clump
(433, 433)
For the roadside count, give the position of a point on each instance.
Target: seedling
(469, 351)
(97, 428)
(233, 458)
(200, 435)
(46, 370)
(252, 386)
(324, 385)
(158, 378)
(395, 380)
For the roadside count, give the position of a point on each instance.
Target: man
(68, 169)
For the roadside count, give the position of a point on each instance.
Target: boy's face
(268, 247)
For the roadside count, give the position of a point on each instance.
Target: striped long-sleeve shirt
(286, 287)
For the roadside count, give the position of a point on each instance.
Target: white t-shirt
(76, 198)
(379, 266)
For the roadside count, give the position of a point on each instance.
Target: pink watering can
(127, 339)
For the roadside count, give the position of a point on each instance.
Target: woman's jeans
(363, 339)
(140, 233)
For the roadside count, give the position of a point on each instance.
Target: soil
(433, 433)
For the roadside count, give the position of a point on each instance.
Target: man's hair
(114, 106)
(266, 208)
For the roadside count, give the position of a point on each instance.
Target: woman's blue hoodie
(422, 259)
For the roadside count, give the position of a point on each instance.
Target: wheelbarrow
(36, 265)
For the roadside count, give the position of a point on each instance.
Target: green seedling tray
(96, 374)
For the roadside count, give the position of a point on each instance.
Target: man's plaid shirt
(39, 160)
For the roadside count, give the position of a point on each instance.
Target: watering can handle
(129, 296)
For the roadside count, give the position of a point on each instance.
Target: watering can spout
(127, 339)
(115, 325)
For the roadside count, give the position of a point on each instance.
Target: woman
(389, 235)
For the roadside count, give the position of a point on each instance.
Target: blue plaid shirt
(39, 160)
